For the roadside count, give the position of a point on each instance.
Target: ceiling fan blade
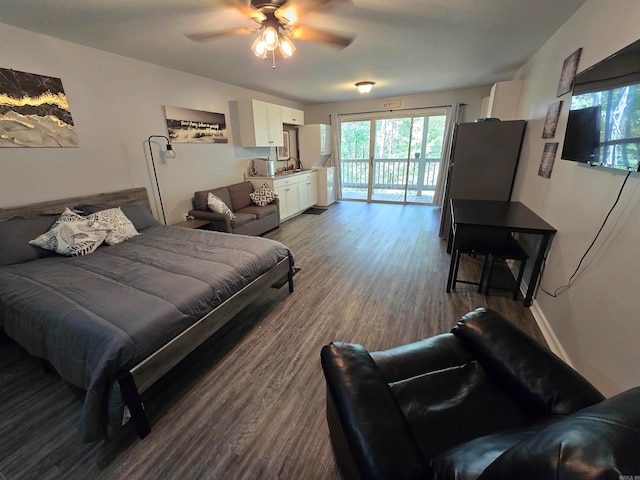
(301, 32)
(293, 10)
(202, 37)
(246, 9)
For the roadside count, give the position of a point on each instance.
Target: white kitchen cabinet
(308, 190)
(292, 116)
(260, 123)
(314, 143)
(504, 100)
(296, 191)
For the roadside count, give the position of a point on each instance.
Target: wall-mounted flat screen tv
(603, 127)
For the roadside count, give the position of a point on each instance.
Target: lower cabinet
(296, 191)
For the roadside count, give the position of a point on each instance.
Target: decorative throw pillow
(72, 235)
(217, 205)
(120, 227)
(263, 196)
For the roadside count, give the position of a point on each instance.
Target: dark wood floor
(249, 403)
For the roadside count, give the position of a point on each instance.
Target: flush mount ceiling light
(365, 87)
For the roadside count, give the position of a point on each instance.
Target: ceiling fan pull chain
(273, 55)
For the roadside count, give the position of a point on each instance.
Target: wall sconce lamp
(365, 87)
(169, 153)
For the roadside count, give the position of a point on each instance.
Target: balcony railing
(389, 178)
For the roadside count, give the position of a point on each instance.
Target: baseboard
(543, 324)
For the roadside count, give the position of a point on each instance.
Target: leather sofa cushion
(532, 373)
(452, 406)
(598, 442)
(428, 355)
(468, 460)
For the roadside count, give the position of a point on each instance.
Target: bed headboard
(136, 196)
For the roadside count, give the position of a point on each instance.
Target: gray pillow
(15, 234)
(140, 215)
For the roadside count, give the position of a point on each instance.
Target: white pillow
(120, 227)
(72, 235)
(263, 196)
(218, 206)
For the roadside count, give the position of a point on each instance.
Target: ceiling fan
(278, 23)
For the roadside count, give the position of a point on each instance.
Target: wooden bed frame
(137, 380)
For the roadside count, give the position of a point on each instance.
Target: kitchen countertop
(285, 173)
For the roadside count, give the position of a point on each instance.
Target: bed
(114, 321)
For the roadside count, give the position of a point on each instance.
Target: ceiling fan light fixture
(286, 47)
(259, 48)
(365, 87)
(270, 38)
(287, 16)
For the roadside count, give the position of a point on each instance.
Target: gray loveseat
(250, 218)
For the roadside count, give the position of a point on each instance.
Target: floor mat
(315, 211)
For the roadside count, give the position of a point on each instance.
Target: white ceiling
(405, 46)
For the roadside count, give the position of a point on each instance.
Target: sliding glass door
(392, 158)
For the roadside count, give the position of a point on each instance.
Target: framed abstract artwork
(34, 111)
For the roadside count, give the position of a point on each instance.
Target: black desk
(505, 216)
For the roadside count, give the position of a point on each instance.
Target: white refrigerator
(326, 186)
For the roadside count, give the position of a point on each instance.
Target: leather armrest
(435, 353)
(529, 370)
(369, 432)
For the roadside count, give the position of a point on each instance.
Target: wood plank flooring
(249, 403)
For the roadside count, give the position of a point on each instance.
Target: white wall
(116, 104)
(595, 321)
(472, 97)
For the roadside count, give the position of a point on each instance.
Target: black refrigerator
(482, 165)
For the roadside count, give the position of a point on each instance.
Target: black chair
(492, 245)
(484, 402)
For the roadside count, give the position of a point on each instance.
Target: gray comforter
(94, 315)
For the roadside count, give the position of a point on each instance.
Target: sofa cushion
(597, 442)
(468, 460)
(241, 219)
(239, 194)
(263, 196)
(448, 407)
(200, 198)
(260, 212)
(217, 205)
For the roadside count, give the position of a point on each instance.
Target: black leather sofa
(483, 402)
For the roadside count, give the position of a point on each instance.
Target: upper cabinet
(292, 116)
(504, 100)
(314, 143)
(260, 123)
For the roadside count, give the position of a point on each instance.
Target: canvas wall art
(186, 125)
(34, 111)
(548, 157)
(551, 122)
(568, 74)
